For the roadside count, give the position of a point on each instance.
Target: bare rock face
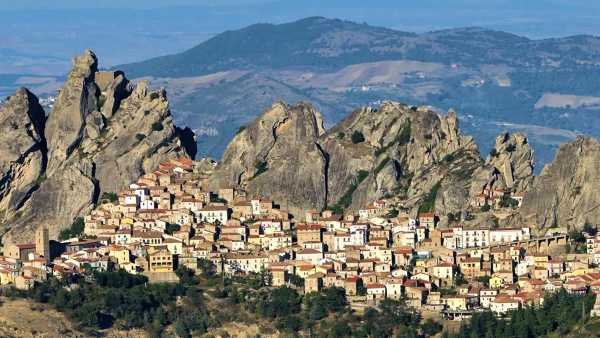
(277, 156)
(22, 148)
(102, 134)
(77, 99)
(391, 151)
(406, 151)
(565, 193)
(509, 166)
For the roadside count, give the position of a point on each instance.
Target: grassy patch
(429, 202)
(382, 165)
(357, 137)
(261, 167)
(402, 138)
(346, 200)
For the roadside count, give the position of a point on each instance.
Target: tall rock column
(76, 100)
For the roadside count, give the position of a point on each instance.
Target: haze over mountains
(494, 80)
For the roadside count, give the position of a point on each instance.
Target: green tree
(317, 311)
(590, 229)
(186, 276)
(108, 196)
(171, 228)
(357, 137)
(431, 327)
(75, 230)
(157, 126)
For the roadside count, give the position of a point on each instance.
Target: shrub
(429, 201)
(508, 202)
(346, 199)
(109, 196)
(381, 165)
(404, 136)
(494, 153)
(485, 208)
(261, 167)
(171, 228)
(392, 213)
(140, 137)
(241, 129)
(157, 126)
(357, 137)
(75, 230)
(590, 229)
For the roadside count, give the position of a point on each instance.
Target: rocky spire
(509, 166)
(565, 194)
(77, 99)
(102, 134)
(22, 147)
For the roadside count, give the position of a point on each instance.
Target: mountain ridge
(491, 77)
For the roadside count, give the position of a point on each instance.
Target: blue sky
(132, 30)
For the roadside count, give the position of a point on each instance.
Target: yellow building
(160, 261)
(121, 253)
(496, 282)
(7, 276)
(457, 302)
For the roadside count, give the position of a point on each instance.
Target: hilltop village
(169, 219)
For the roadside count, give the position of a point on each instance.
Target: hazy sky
(42, 35)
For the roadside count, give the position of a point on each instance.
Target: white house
(503, 304)
(147, 204)
(212, 214)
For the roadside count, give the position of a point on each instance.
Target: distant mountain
(495, 80)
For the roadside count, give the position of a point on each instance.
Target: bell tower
(42, 242)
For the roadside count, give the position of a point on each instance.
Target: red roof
(308, 227)
(375, 286)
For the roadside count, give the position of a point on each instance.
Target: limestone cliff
(509, 166)
(565, 193)
(278, 156)
(103, 133)
(22, 148)
(390, 151)
(408, 152)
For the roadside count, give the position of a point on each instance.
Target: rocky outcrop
(407, 152)
(77, 99)
(22, 148)
(565, 193)
(102, 134)
(509, 166)
(390, 151)
(278, 156)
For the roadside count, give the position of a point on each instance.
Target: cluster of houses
(493, 197)
(168, 219)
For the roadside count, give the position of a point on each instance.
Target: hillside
(497, 81)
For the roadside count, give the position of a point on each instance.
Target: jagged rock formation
(509, 166)
(394, 150)
(103, 133)
(278, 156)
(22, 148)
(407, 152)
(565, 193)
